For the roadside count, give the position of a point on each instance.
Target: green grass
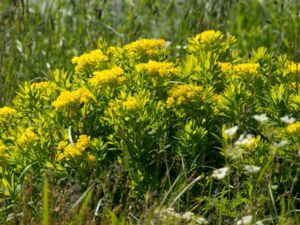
(38, 36)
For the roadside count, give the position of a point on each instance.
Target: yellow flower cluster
(41, 85)
(148, 47)
(91, 158)
(240, 69)
(131, 104)
(6, 111)
(246, 68)
(112, 77)
(183, 94)
(2, 150)
(208, 37)
(293, 128)
(225, 67)
(70, 151)
(27, 137)
(88, 59)
(66, 98)
(293, 68)
(153, 68)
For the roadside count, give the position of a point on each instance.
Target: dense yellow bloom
(70, 151)
(153, 68)
(113, 51)
(27, 137)
(209, 37)
(225, 67)
(147, 47)
(293, 68)
(183, 94)
(62, 145)
(293, 128)
(2, 149)
(41, 85)
(91, 158)
(246, 68)
(131, 103)
(112, 77)
(87, 60)
(67, 98)
(6, 111)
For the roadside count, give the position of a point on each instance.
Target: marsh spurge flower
(219, 174)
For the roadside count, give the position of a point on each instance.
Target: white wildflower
(219, 174)
(244, 140)
(201, 221)
(258, 223)
(231, 131)
(245, 220)
(168, 43)
(252, 168)
(233, 152)
(188, 216)
(261, 118)
(281, 144)
(288, 120)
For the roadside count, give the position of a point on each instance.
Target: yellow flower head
(91, 158)
(293, 128)
(41, 85)
(2, 149)
(148, 47)
(293, 68)
(6, 111)
(62, 145)
(88, 60)
(153, 68)
(183, 94)
(112, 77)
(209, 37)
(205, 40)
(246, 68)
(66, 98)
(82, 142)
(71, 151)
(27, 137)
(225, 67)
(131, 103)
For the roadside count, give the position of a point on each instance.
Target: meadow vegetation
(149, 112)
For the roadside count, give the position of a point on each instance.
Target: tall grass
(38, 35)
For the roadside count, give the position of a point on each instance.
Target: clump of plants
(135, 133)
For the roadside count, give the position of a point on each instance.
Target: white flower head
(231, 131)
(201, 221)
(244, 140)
(219, 174)
(258, 223)
(281, 144)
(168, 43)
(252, 168)
(188, 216)
(261, 118)
(245, 220)
(288, 120)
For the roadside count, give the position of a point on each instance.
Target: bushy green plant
(209, 128)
